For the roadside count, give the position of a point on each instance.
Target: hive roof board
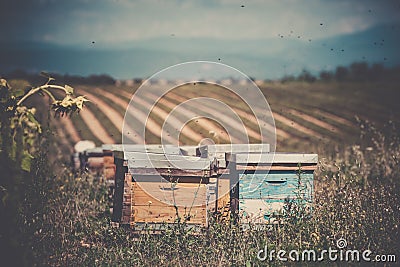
(182, 157)
(219, 150)
(172, 161)
(272, 158)
(159, 149)
(162, 149)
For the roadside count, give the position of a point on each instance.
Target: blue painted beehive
(265, 182)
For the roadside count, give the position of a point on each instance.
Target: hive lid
(219, 150)
(159, 149)
(272, 158)
(167, 161)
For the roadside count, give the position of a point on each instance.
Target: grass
(356, 198)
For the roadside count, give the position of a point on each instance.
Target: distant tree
(138, 80)
(100, 79)
(288, 78)
(341, 74)
(377, 72)
(306, 76)
(325, 76)
(392, 74)
(359, 71)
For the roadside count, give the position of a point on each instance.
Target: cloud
(117, 21)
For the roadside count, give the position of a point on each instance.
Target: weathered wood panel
(108, 160)
(109, 172)
(221, 149)
(182, 194)
(155, 202)
(276, 167)
(158, 149)
(127, 200)
(218, 194)
(150, 160)
(119, 189)
(189, 176)
(273, 158)
(168, 214)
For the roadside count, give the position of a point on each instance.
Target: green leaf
(26, 161)
(69, 90)
(18, 93)
(13, 149)
(32, 118)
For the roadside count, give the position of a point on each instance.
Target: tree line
(355, 72)
(33, 78)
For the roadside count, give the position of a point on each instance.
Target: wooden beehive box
(264, 182)
(157, 185)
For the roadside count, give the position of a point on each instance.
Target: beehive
(156, 185)
(156, 191)
(265, 182)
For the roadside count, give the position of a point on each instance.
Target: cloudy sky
(124, 24)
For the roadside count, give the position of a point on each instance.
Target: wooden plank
(97, 151)
(167, 214)
(221, 149)
(188, 150)
(275, 167)
(234, 188)
(126, 199)
(274, 158)
(171, 173)
(218, 194)
(161, 156)
(95, 162)
(166, 164)
(150, 160)
(159, 149)
(119, 189)
(108, 160)
(163, 194)
(109, 172)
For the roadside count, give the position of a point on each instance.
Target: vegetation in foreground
(357, 198)
(58, 220)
